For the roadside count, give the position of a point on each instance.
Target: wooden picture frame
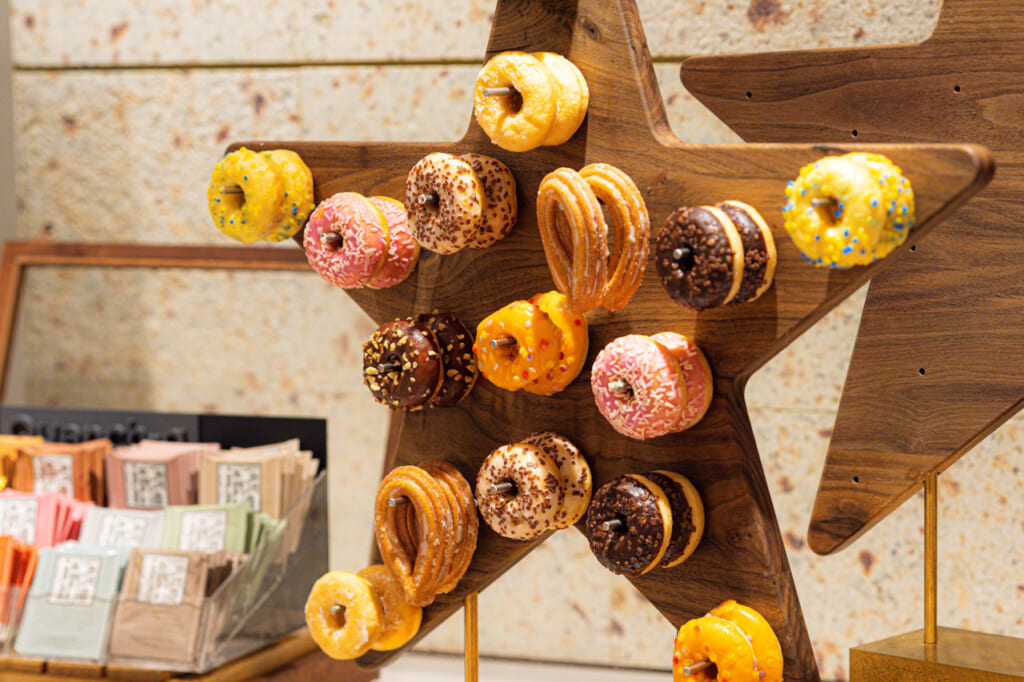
(18, 255)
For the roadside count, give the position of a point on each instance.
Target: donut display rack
(904, 417)
(742, 555)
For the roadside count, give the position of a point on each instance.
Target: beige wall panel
(120, 32)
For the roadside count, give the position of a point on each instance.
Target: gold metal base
(957, 655)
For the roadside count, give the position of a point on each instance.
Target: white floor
(413, 667)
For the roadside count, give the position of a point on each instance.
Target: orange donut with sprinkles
(517, 345)
(575, 343)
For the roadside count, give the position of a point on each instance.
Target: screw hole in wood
(956, 88)
(921, 371)
(856, 479)
(854, 132)
(750, 95)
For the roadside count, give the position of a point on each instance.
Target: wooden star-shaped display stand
(742, 555)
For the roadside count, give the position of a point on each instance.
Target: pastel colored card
(122, 528)
(68, 610)
(160, 609)
(206, 528)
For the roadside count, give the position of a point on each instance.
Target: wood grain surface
(742, 554)
(939, 359)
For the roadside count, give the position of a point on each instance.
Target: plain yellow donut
(519, 122)
(401, 620)
(571, 97)
(353, 629)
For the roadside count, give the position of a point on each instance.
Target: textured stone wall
(121, 109)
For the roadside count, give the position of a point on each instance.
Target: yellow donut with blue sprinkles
(297, 198)
(835, 211)
(898, 200)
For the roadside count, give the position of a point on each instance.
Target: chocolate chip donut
(629, 525)
(700, 257)
(501, 207)
(531, 506)
(445, 202)
(457, 359)
(402, 364)
(687, 515)
(759, 255)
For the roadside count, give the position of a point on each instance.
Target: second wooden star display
(742, 555)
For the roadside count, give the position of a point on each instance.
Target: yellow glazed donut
(575, 343)
(400, 620)
(522, 121)
(767, 652)
(717, 640)
(835, 211)
(516, 345)
(571, 97)
(245, 216)
(297, 198)
(898, 200)
(343, 613)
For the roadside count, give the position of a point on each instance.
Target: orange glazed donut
(531, 507)
(717, 640)
(400, 620)
(767, 651)
(343, 613)
(445, 202)
(516, 345)
(575, 343)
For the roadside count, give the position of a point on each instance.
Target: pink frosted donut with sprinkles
(696, 374)
(403, 251)
(638, 387)
(346, 240)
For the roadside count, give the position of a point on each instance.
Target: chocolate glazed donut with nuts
(402, 364)
(700, 257)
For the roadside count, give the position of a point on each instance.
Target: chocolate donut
(700, 257)
(444, 199)
(759, 256)
(457, 359)
(687, 515)
(402, 364)
(639, 542)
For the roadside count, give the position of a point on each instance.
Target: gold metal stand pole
(472, 653)
(931, 559)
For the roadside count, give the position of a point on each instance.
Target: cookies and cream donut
(576, 481)
(346, 240)
(687, 515)
(458, 362)
(400, 620)
(638, 388)
(699, 255)
(629, 525)
(759, 254)
(444, 200)
(343, 613)
(402, 364)
(403, 251)
(501, 206)
(523, 120)
(531, 506)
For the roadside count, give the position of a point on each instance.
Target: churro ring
(528, 510)
(522, 121)
(575, 343)
(297, 194)
(469, 526)
(767, 652)
(574, 235)
(348, 631)
(577, 483)
(720, 641)
(444, 200)
(501, 207)
(571, 97)
(535, 351)
(250, 215)
(835, 211)
(632, 230)
(418, 572)
(400, 620)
